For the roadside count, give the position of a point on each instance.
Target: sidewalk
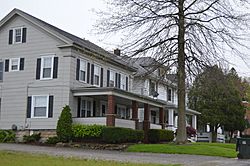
(187, 160)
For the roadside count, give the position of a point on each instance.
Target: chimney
(117, 52)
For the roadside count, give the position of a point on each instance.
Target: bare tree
(189, 34)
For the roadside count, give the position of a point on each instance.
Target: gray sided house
(43, 68)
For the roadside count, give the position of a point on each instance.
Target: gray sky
(76, 17)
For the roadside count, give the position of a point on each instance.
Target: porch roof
(188, 110)
(93, 91)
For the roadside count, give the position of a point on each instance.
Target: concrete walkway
(187, 160)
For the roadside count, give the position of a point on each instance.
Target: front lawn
(207, 149)
(25, 159)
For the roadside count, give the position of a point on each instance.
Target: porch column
(161, 116)
(146, 122)
(194, 121)
(171, 118)
(135, 113)
(110, 116)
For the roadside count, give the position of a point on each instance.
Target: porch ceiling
(93, 91)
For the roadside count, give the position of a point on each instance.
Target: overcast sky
(76, 17)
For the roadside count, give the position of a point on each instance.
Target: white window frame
(18, 64)
(33, 106)
(83, 69)
(14, 35)
(110, 78)
(123, 81)
(170, 94)
(120, 109)
(99, 72)
(52, 67)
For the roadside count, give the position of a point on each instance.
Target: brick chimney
(117, 52)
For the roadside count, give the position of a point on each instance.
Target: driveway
(187, 160)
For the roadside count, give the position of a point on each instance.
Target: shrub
(121, 135)
(32, 138)
(82, 132)
(7, 136)
(52, 140)
(159, 135)
(64, 125)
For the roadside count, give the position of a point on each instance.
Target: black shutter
(108, 77)
(115, 109)
(55, 67)
(126, 83)
(119, 80)
(10, 36)
(92, 74)
(29, 107)
(88, 72)
(116, 80)
(51, 101)
(79, 107)
(38, 68)
(24, 35)
(7, 61)
(101, 85)
(77, 69)
(21, 63)
(94, 108)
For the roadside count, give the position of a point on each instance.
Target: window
(14, 64)
(111, 78)
(40, 106)
(152, 88)
(46, 67)
(17, 35)
(123, 82)
(169, 95)
(97, 74)
(122, 112)
(83, 67)
(153, 117)
(86, 108)
(1, 71)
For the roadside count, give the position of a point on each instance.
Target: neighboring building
(43, 68)
(152, 80)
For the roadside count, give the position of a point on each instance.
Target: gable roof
(68, 38)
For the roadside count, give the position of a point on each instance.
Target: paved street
(186, 160)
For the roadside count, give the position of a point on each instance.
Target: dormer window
(17, 35)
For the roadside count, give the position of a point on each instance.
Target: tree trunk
(181, 132)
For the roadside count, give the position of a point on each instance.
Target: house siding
(17, 85)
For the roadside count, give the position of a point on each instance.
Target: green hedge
(52, 140)
(83, 132)
(7, 136)
(121, 135)
(160, 135)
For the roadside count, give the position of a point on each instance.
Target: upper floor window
(83, 68)
(47, 67)
(169, 93)
(14, 64)
(97, 74)
(153, 88)
(17, 35)
(123, 82)
(111, 78)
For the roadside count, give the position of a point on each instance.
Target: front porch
(115, 107)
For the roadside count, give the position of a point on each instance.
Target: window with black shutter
(17, 35)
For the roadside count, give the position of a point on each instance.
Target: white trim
(122, 74)
(113, 71)
(86, 64)
(18, 64)
(87, 99)
(32, 106)
(52, 66)
(14, 35)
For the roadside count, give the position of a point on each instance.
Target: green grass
(24, 159)
(207, 149)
